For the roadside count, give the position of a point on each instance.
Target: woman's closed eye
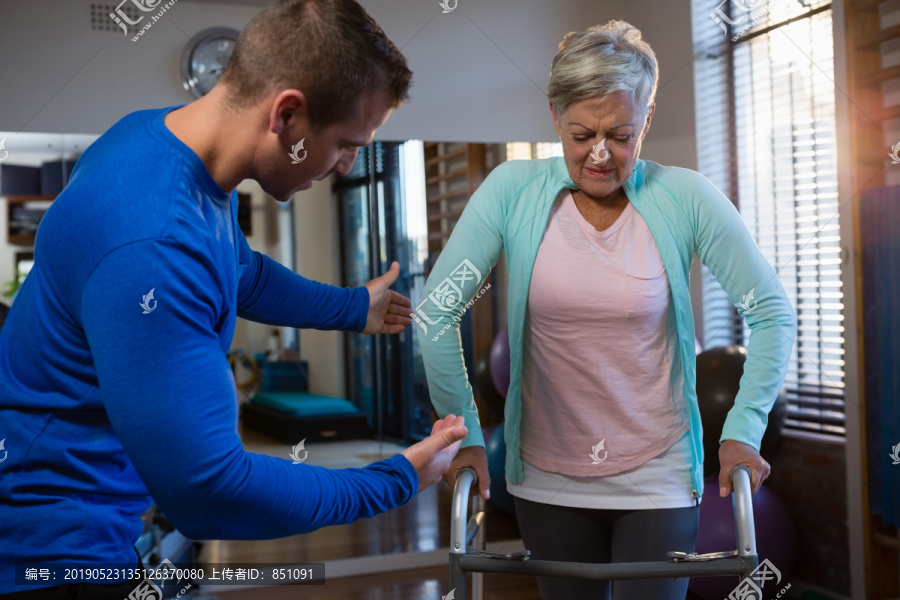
(620, 140)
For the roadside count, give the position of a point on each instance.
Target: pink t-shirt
(599, 348)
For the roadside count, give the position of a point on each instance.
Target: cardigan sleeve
(725, 246)
(465, 262)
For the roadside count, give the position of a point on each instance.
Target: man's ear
(287, 107)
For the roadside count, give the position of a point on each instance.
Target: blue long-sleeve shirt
(111, 399)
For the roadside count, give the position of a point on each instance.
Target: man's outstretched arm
(269, 292)
(169, 396)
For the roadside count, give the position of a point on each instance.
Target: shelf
(23, 199)
(441, 197)
(446, 215)
(879, 76)
(446, 157)
(447, 176)
(876, 38)
(863, 5)
(21, 239)
(878, 116)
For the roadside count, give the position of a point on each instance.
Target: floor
(425, 584)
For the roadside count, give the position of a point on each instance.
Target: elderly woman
(603, 436)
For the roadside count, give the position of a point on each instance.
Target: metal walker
(463, 559)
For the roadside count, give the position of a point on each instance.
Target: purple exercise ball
(776, 537)
(500, 361)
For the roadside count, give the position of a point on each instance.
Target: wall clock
(204, 58)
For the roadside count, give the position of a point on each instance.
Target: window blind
(766, 127)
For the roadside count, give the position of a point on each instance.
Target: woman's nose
(600, 154)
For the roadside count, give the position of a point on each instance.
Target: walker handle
(745, 530)
(465, 479)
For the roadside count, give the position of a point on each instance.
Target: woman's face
(585, 123)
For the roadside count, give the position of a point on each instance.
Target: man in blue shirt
(110, 398)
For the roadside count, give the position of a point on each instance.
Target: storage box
(19, 180)
(55, 176)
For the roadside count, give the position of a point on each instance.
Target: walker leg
(457, 579)
(479, 544)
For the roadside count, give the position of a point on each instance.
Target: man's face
(288, 168)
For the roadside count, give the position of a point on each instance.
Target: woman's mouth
(600, 173)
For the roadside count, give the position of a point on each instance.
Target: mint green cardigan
(686, 216)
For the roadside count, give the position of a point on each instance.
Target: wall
(809, 476)
(59, 75)
(480, 71)
(318, 257)
(249, 336)
(856, 418)
(672, 139)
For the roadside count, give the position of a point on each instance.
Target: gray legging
(601, 536)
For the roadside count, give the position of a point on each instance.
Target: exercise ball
(495, 447)
(500, 361)
(487, 399)
(719, 372)
(776, 538)
(487, 430)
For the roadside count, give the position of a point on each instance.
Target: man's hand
(475, 457)
(733, 453)
(432, 456)
(388, 310)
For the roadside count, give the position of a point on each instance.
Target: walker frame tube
(462, 532)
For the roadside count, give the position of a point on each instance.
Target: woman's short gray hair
(600, 61)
